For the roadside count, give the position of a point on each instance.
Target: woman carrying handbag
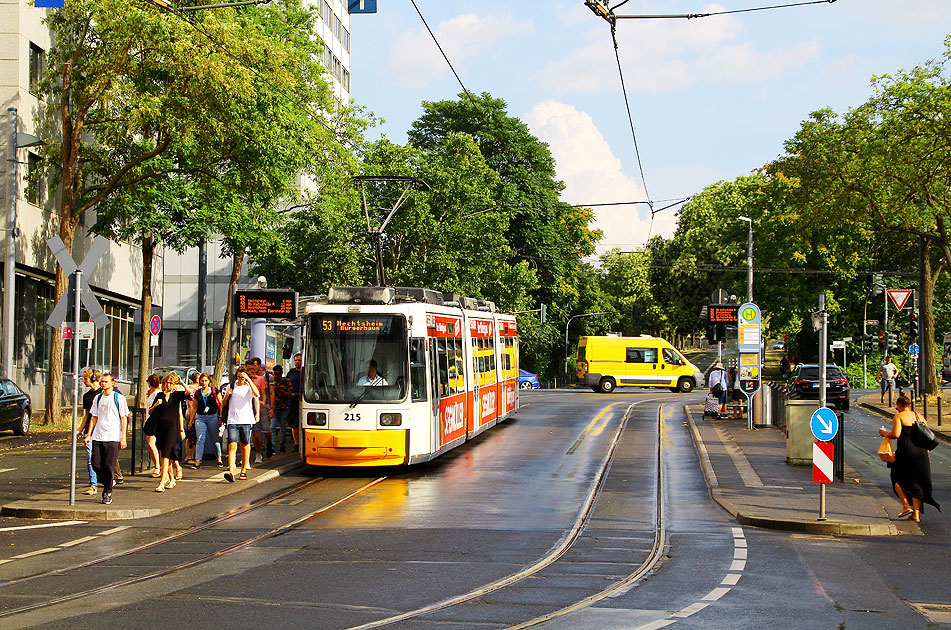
(911, 470)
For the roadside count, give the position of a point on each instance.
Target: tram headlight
(316, 419)
(391, 419)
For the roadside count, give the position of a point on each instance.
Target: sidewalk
(872, 402)
(136, 498)
(748, 476)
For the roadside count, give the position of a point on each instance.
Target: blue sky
(712, 98)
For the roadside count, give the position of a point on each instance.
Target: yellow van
(614, 361)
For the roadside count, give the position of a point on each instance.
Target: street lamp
(568, 323)
(749, 260)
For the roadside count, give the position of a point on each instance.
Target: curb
(832, 528)
(940, 434)
(24, 509)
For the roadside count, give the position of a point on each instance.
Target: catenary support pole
(9, 258)
(77, 287)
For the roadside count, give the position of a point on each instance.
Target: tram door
(434, 394)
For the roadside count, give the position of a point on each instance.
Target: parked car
(527, 380)
(15, 408)
(804, 384)
(779, 345)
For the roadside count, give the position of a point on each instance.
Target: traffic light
(716, 332)
(868, 344)
(543, 315)
(891, 340)
(913, 326)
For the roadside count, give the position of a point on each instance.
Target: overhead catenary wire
(690, 16)
(446, 57)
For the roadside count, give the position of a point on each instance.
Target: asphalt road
(506, 503)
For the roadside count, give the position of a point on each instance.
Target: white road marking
(737, 532)
(73, 543)
(691, 609)
(738, 565)
(731, 579)
(739, 553)
(41, 526)
(3, 470)
(114, 530)
(34, 553)
(740, 542)
(715, 594)
(654, 625)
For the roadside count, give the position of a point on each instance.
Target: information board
(722, 313)
(274, 304)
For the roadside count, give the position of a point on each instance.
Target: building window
(338, 69)
(327, 59)
(327, 12)
(346, 39)
(35, 192)
(37, 66)
(346, 80)
(337, 26)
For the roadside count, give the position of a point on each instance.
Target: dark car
(527, 380)
(804, 383)
(15, 408)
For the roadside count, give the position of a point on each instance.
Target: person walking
(239, 401)
(91, 381)
(107, 428)
(911, 470)
(719, 382)
(206, 419)
(170, 429)
(293, 417)
(283, 395)
(155, 386)
(888, 373)
(261, 430)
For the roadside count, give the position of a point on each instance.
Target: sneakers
(258, 459)
(118, 480)
(91, 490)
(269, 452)
(107, 498)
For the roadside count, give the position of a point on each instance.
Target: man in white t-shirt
(109, 417)
(239, 400)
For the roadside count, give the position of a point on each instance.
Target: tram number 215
(351, 417)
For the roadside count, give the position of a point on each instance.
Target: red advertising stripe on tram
(508, 329)
(510, 387)
(481, 327)
(488, 404)
(443, 325)
(452, 418)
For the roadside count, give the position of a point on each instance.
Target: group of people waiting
(725, 387)
(186, 422)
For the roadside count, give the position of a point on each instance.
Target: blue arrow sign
(913, 349)
(824, 424)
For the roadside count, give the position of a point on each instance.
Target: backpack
(99, 397)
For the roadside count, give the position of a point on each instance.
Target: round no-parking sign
(155, 326)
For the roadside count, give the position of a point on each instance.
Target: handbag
(717, 389)
(885, 452)
(922, 436)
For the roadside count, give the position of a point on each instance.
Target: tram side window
(460, 366)
(443, 368)
(417, 369)
(492, 366)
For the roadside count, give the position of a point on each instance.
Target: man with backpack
(109, 417)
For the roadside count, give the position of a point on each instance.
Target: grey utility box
(761, 411)
(799, 438)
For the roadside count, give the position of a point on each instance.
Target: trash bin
(799, 438)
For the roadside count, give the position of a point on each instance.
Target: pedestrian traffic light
(891, 340)
(868, 344)
(913, 325)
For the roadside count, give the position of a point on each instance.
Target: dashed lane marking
(3, 470)
(41, 526)
(726, 585)
(61, 546)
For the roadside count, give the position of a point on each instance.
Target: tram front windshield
(356, 358)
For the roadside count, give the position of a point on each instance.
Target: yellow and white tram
(401, 375)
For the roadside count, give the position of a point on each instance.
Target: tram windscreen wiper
(353, 404)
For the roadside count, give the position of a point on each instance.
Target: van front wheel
(685, 385)
(607, 385)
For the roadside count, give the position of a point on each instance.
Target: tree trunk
(148, 256)
(927, 323)
(67, 231)
(224, 345)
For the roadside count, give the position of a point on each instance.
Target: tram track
(275, 531)
(565, 544)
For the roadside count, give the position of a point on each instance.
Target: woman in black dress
(911, 470)
(170, 427)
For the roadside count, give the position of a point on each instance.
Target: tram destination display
(723, 313)
(275, 304)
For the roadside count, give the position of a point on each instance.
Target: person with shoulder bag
(911, 470)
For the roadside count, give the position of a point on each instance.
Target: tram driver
(372, 378)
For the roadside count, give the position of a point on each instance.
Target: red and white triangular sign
(899, 297)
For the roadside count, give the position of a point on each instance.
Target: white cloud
(593, 174)
(415, 60)
(672, 55)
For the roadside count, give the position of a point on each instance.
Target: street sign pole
(823, 341)
(77, 287)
